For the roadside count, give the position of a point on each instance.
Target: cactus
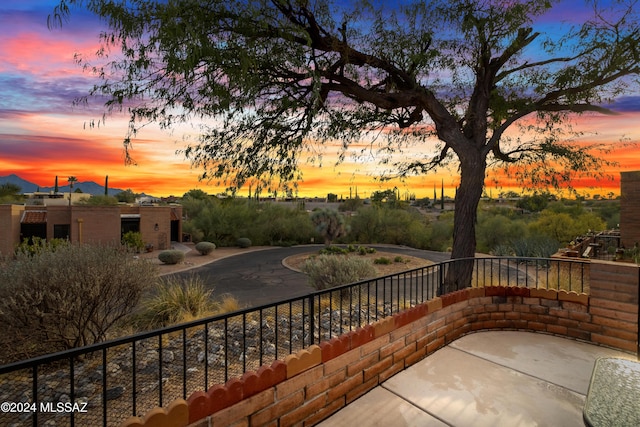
(329, 223)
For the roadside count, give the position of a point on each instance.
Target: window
(61, 231)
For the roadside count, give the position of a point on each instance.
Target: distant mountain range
(89, 187)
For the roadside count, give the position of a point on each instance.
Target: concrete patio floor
(494, 378)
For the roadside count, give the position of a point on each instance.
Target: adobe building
(629, 208)
(158, 225)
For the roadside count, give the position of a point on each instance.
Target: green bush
(399, 226)
(382, 261)
(503, 250)
(328, 271)
(333, 250)
(171, 257)
(535, 246)
(224, 221)
(399, 259)
(36, 245)
(363, 250)
(133, 240)
(205, 248)
(243, 242)
(67, 298)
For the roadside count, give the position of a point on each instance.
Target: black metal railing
(105, 383)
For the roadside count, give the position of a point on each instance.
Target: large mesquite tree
(271, 78)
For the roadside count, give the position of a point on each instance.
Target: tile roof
(34, 217)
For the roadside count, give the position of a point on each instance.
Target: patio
(494, 378)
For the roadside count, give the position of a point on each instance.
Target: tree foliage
(395, 225)
(223, 221)
(482, 77)
(99, 201)
(10, 192)
(126, 196)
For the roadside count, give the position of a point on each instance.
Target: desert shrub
(196, 234)
(398, 258)
(70, 297)
(243, 242)
(99, 200)
(441, 232)
(205, 248)
(564, 227)
(535, 246)
(36, 245)
(181, 299)
(133, 240)
(497, 229)
(280, 225)
(382, 261)
(333, 250)
(364, 250)
(227, 304)
(171, 257)
(328, 271)
(176, 300)
(399, 226)
(503, 249)
(223, 221)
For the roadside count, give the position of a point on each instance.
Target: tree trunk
(472, 174)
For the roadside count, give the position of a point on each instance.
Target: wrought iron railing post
(104, 387)
(312, 320)
(134, 388)
(34, 385)
(71, 389)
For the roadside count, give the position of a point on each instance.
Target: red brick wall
(319, 381)
(613, 304)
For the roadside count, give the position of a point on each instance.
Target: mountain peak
(88, 187)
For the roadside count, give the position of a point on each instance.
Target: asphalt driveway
(258, 277)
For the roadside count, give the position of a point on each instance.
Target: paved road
(258, 277)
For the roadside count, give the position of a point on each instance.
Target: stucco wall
(9, 227)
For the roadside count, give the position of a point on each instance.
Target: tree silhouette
(485, 78)
(71, 180)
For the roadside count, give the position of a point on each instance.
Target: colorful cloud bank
(42, 134)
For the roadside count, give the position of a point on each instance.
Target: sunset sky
(43, 135)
